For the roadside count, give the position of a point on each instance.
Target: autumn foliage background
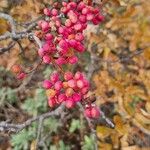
(118, 62)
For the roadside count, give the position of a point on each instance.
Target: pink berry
(87, 112)
(86, 82)
(40, 23)
(82, 18)
(69, 103)
(54, 77)
(85, 11)
(64, 3)
(72, 16)
(63, 51)
(80, 48)
(72, 83)
(78, 26)
(73, 60)
(76, 97)
(61, 98)
(64, 10)
(79, 37)
(54, 12)
(47, 12)
(68, 23)
(89, 17)
(46, 59)
(51, 102)
(21, 76)
(95, 113)
(80, 84)
(44, 25)
(60, 61)
(41, 52)
(100, 18)
(81, 5)
(72, 43)
(95, 21)
(63, 44)
(78, 75)
(47, 84)
(73, 4)
(61, 30)
(49, 36)
(84, 90)
(46, 47)
(68, 75)
(58, 85)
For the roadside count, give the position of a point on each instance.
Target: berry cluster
(17, 69)
(70, 90)
(62, 34)
(62, 31)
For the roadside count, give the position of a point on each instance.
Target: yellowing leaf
(3, 26)
(105, 146)
(33, 145)
(119, 125)
(103, 131)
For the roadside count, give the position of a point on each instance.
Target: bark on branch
(4, 126)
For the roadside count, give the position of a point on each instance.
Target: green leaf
(75, 124)
(11, 95)
(51, 124)
(21, 140)
(88, 143)
(30, 106)
(36, 105)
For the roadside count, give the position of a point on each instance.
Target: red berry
(60, 61)
(21, 76)
(95, 113)
(73, 60)
(72, 83)
(44, 25)
(46, 59)
(51, 102)
(76, 97)
(47, 84)
(69, 103)
(68, 75)
(54, 12)
(69, 92)
(47, 12)
(62, 98)
(54, 77)
(58, 85)
(87, 112)
(80, 84)
(78, 75)
(49, 36)
(79, 37)
(16, 69)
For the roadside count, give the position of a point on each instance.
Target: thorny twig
(4, 126)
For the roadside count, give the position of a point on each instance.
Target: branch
(4, 126)
(5, 49)
(11, 21)
(14, 34)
